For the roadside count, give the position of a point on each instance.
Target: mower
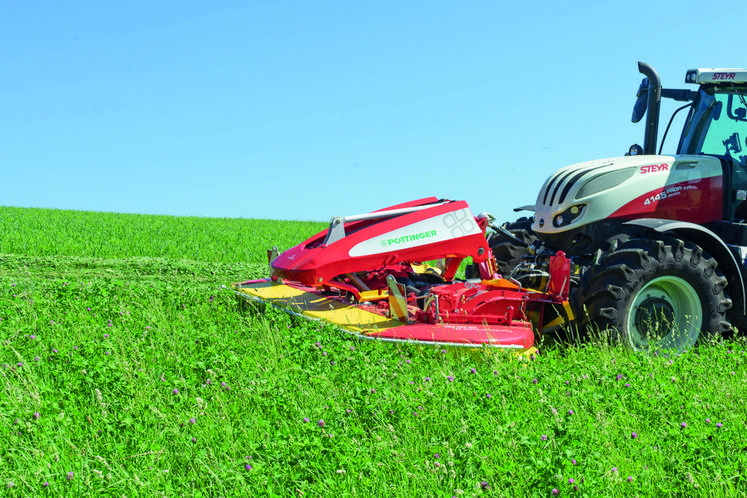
(390, 275)
(648, 247)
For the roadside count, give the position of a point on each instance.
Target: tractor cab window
(717, 125)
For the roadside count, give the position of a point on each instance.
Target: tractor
(658, 241)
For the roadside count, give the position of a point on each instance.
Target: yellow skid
(310, 305)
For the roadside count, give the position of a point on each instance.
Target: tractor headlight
(566, 217)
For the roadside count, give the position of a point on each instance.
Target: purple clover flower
(543, 437)
(321, 423)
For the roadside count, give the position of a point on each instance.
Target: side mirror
(639, 109)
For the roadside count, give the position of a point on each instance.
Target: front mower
(390, 275)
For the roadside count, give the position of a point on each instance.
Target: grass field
(128, 369)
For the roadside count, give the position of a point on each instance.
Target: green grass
(135, 372)
(50, 232)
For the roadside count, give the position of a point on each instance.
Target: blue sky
(305, 110)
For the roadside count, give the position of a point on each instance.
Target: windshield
(717, 124)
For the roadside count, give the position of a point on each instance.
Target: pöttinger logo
(393, 241)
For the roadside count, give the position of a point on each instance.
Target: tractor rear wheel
(650, 293)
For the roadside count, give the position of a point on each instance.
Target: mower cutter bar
(367, 321)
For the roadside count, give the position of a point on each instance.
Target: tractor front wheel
(649, 293)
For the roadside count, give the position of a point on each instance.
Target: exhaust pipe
(653, 105)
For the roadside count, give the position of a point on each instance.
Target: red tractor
(648, 246)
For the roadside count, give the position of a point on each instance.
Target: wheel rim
(665, 312)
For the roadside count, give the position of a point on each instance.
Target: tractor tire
(508, 254)
(655, 293)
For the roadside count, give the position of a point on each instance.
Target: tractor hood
(650, 186)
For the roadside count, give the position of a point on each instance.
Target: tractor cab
(716, 125)
(717, 122)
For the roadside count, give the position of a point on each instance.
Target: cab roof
(719, 75)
